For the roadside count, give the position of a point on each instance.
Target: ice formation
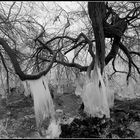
(53, 130)
(79, 85)
(43, 103)
(109, 92)
(26, 88)
(94, 95)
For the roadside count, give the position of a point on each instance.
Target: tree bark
(97, 13)
(114, 50)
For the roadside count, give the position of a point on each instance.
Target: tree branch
(136, 53)
(75, 65)
(16, 66)
(124, 49)
(114, 50)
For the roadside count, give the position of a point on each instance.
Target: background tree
(28, 43)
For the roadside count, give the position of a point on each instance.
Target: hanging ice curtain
(94, 95)
(43, 103)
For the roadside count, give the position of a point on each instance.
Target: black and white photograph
(69, 69)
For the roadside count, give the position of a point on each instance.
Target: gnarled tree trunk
(97, 12)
